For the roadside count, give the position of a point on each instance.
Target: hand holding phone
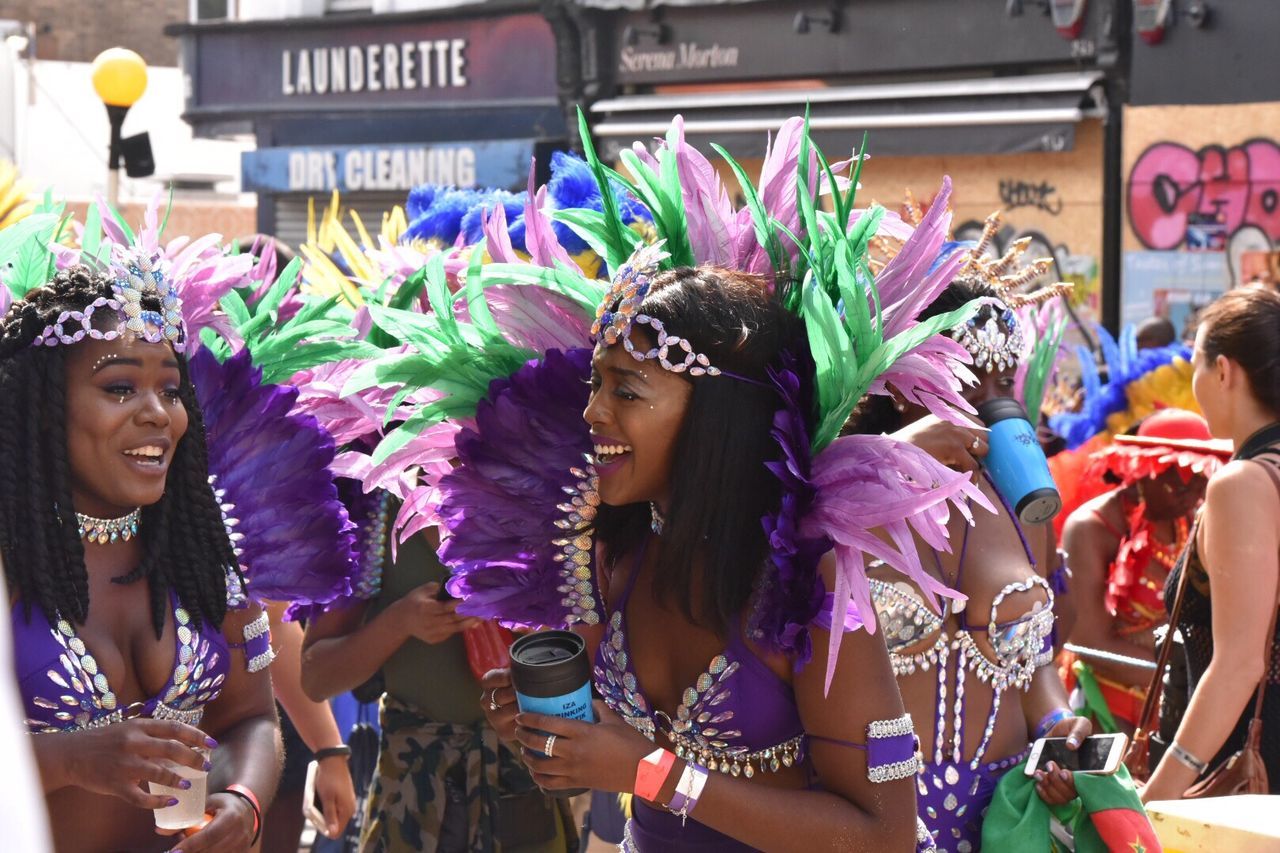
(1098, 754)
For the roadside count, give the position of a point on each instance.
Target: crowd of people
(735, 448)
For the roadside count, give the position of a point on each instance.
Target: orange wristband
(243, 792)
(652, 773)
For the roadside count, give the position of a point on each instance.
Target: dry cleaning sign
(386, 168)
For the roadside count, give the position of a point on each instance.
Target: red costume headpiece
(1170, 438)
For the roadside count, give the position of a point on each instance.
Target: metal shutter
(291, 213)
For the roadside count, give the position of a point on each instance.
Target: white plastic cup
(189, 810)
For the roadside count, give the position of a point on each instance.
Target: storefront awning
(975, 116)
(634, 5)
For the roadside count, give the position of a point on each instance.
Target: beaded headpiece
(619, 313)
(137, 275)
(995, 341)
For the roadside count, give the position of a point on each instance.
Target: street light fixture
(119, 78)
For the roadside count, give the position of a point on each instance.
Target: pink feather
(857, 495)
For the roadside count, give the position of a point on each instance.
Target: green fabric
(1095, 705)
(1107, 808)
(434, 679)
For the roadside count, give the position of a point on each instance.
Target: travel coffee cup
(1016, 462)
(551, 673)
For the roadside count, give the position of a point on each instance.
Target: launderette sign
(386, 168)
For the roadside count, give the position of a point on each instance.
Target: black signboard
(785, 39)
(369, 64)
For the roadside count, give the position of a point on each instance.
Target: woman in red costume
(1121, 546)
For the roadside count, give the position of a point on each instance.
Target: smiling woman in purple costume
(134, 642)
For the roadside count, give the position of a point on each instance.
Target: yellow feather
(324, 279)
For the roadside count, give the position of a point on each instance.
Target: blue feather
(442, 219)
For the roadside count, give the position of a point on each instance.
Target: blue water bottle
(551, 673)
(1016, 462)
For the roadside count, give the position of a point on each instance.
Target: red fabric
(1069, 475)
(1135, 582)
(1125, 831)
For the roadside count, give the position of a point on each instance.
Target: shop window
(213, 10)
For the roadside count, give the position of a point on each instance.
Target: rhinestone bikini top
(1020, 646)
(738, 717)
(63, 688)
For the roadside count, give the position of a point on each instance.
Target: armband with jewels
(258, 654)
(892, 749)
(1051, 719)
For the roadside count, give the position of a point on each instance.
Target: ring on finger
(548, 749)
(976, 444)
(493, 700)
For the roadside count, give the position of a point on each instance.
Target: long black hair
(875, 413)
(185, 544)
(720, 487)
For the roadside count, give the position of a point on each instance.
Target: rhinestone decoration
(106, 531)
(1020, 648)
(995, 344)
(576, 545)
(700, 731)
(137, 274)
(84, 699)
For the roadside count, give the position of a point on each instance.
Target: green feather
(619, 244)
(766, 234)
(22, 244)
(91, 242)
(1040, 366)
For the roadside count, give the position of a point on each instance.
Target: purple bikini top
(64, 690)
(738, 717)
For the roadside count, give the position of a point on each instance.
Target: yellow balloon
(119, 76)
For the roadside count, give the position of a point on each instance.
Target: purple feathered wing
(271, 470)
(519, 507)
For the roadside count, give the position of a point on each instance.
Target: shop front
(1011, 107)
(374, 105)
(1201, 161)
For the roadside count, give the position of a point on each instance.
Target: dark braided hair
(185, 544)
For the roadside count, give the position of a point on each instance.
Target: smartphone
(310, 802)
(1099, 754)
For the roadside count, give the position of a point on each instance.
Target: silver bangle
(1178, 752)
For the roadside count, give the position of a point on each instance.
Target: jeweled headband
(995, 343)
(137, 275)
(619, 313)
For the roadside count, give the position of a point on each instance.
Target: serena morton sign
(686, 56)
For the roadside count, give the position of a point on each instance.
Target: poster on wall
(1174, 285)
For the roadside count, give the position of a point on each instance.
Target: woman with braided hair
(126, 599)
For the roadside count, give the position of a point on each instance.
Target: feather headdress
(522, 552)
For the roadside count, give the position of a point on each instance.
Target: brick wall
(191, 218)
(78, 30)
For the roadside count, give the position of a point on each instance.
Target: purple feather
(272, 473)
(793, 594)
(521, 486)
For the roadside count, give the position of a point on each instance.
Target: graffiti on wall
(1217, 198)
(1041, 195)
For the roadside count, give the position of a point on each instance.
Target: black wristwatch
(330, 751)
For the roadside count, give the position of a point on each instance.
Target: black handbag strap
(1166, 645)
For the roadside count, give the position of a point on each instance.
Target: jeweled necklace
(1168, 557)
(105, 531)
